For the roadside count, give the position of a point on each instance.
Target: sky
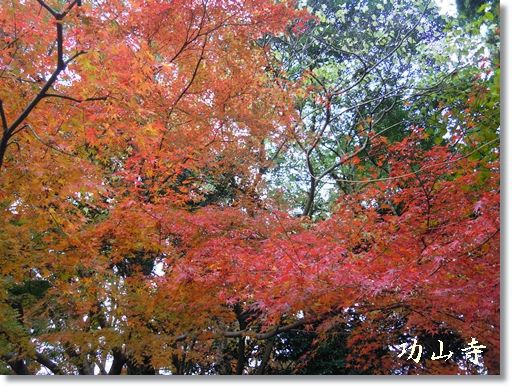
(447, 7)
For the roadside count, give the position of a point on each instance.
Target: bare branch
(77, 100)
(61, 66)
(48, 8)
(70, 7)
(4, 118)
(53, 367)
(60, 42)
(366, 70)
(426, 167)
(271, 332)
(343, 160)
(54, 147)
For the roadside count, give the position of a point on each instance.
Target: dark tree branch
(344, 160)
(48, 8)
(187, 86)
(367, 70)
(53, 367)
(4, 118)
(267, 352)
(9, 131)
(308, 208)
(19, 366)
(240, 364)
(60, 41)
(70, 7)
(77, 100)
(271, 332)
(261, 335)
(118, 362)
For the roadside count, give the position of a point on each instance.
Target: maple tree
(241, 187)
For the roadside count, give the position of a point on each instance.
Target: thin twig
(421, 169)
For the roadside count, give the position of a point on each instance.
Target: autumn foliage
(137, 232)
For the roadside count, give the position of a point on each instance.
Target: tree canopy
(248, 187)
